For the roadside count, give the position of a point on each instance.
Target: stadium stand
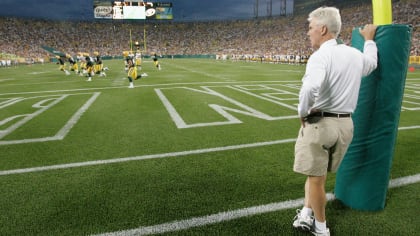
(272, 38)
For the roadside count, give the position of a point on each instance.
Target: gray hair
(328, 16)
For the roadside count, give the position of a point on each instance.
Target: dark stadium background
(184, 10)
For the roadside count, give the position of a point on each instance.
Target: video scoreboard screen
(132, 10)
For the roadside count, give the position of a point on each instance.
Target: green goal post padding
(363, 177)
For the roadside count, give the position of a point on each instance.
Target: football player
(73, 65)
(125, 56)
(138, 56)
(155, 61)
(132, 71)
(89, 68)
(62, 65)
(82, 61)
(98, 65)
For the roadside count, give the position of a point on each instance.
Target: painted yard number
(212, 106)
(23, 119)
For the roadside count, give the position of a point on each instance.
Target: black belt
(329, 114)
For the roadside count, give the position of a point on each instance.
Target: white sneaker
(131, 86)
(320, 233)
(303, 223)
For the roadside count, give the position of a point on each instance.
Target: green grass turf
(130, 123)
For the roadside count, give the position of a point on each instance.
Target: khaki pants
(320, 146)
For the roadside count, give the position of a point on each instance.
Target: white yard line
(152, 85)
(144, 157)
(235, 214)
(154, 156)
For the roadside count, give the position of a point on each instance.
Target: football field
(201, 147)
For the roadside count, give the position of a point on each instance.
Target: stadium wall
(197, 56)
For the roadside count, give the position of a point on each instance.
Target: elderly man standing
(327, 99)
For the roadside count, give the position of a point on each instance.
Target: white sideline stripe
(144, 157)
(402, 181)
(210, 219)
(409, 127)
(235, 214)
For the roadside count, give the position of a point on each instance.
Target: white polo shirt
(333, 75)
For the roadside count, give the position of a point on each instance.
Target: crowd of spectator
(261, 37)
